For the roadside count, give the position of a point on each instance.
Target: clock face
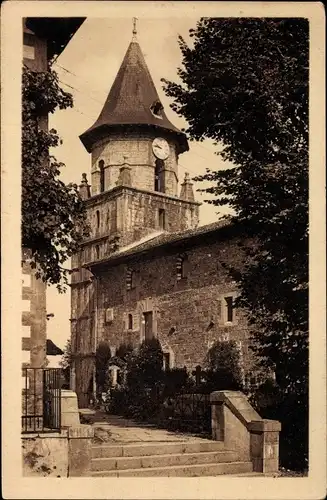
(160, 148)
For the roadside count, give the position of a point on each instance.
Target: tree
(102, 358)
(66, 362)
(53, 215)
(224, 363)
(244, 84)
(145, 368)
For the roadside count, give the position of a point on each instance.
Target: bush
(224, 368)
(102, 358)
(140, 396)
(292, 411)
(175, 381)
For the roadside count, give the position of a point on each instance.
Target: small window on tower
(162, 218)
(98, 218)
(101, 168)
(97, 251)
(130, 322)
(157, 109)
(230, 311)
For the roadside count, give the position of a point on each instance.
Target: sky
(87, 68)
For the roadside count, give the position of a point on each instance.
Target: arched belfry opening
(159, 180)
(101, 169)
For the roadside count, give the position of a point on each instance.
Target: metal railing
(41, 400)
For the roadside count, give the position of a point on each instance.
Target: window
(229, 309)
(166, 361)
(182, 267)
(130, 322)
(158, 176)
(157, 109)
(101, 168)
(148, 325)
(162, 221)
(98, 218)
(97, 251)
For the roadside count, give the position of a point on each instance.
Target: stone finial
(187, 189)
(134, 28)
(84, 188)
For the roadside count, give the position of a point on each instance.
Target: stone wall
(135, 149)
(189, 314)
(65, 454)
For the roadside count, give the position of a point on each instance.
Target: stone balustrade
(234, 421)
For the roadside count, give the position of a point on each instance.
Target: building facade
(43, 38)
(147, 269)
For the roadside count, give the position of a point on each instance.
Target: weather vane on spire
(134, 28)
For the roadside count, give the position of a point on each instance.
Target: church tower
(134, 190)
(134, 153)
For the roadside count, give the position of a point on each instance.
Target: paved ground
(116, 429)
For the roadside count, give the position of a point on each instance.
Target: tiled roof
(130, 99)
(53, 349)
(159, 241)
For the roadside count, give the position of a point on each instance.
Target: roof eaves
(159, 242)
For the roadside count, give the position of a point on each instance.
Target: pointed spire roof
(132, 100)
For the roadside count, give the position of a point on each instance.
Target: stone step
(197, 470)
(168, 460)
(154, 448)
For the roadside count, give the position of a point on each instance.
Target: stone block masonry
(188, 314)
(239, 427)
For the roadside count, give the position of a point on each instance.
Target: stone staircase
(167, 459)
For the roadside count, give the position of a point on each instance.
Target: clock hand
(158, 146)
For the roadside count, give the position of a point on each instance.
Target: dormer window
(156, 109)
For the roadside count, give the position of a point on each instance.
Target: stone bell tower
(134, 188)
(134, 154)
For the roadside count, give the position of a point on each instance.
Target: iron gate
(41, 400)
(189, 411)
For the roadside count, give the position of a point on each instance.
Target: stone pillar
(84, 188)
(264, 443)
(241, 428)
(96, 176)
(125, 178)
(187, 189)
(79, 450)
(69, 409)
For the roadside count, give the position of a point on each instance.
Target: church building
(147, 268)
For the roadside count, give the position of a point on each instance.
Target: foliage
(244, 84)
(53, 215)
(292, 410)
(66, 359)
(102, 358)
(140, 397)
(176, 380)
(145, 366)
(65, 363)
(124, 351)
(224, 367)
